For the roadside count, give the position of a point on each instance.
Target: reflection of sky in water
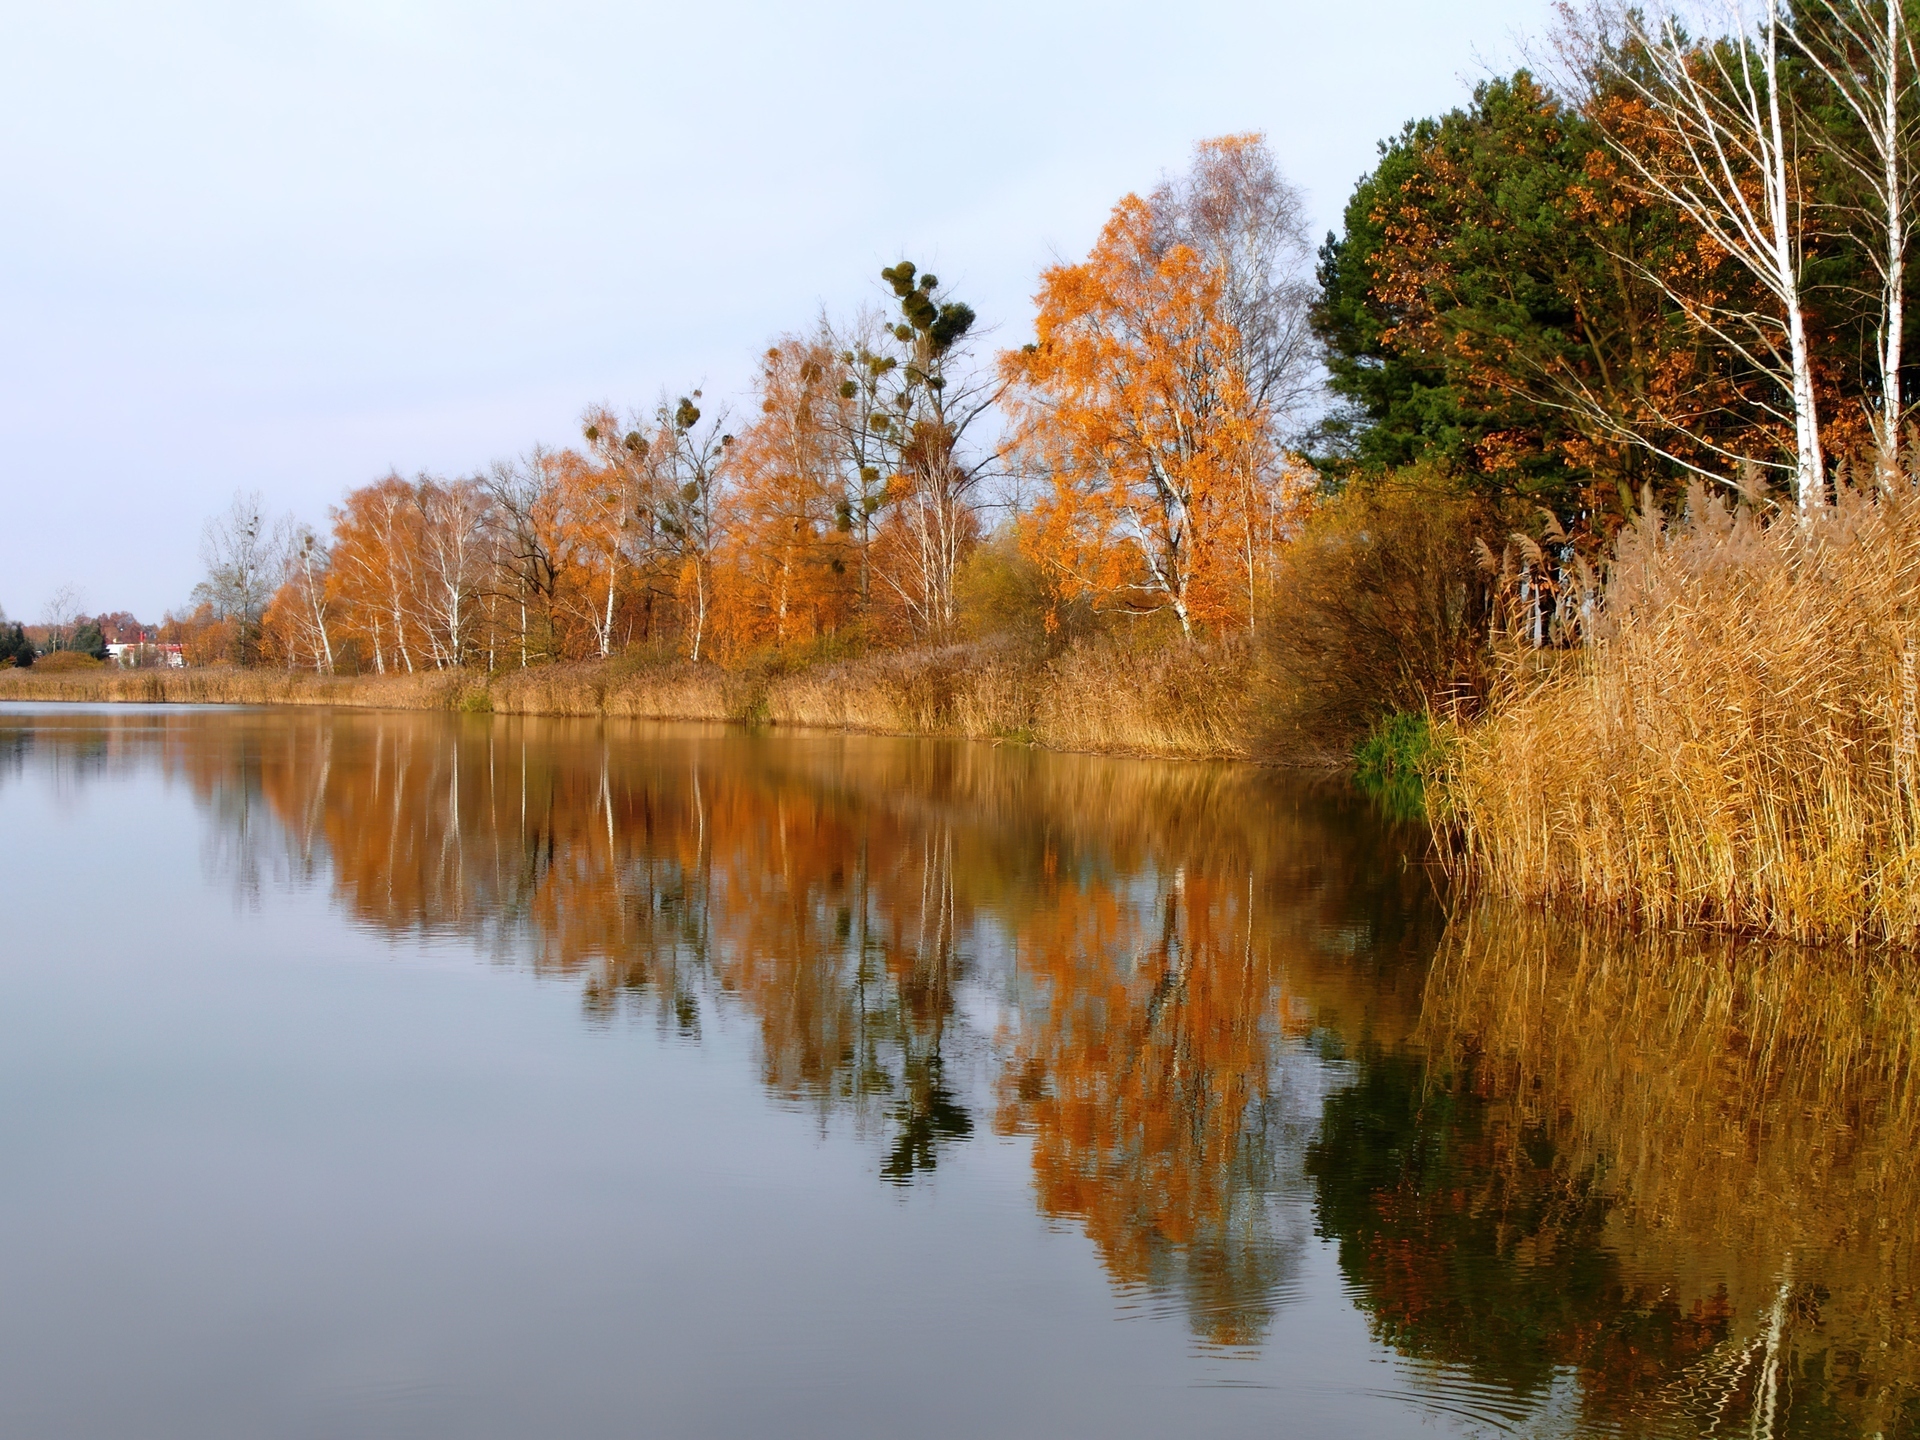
(906, 1071)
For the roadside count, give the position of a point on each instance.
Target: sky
(288, 247)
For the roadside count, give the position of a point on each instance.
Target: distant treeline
(1679, 260)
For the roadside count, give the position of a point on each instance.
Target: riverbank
(1172, 702)
(1734, 747)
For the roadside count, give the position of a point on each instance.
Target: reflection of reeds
(1751, 1110)
(1737, 746)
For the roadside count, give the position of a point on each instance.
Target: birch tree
(1868, 63)
(687, 505)
(1713, 140)
(453, 552)
(931, 404)
(1131, 400)
(306, 587)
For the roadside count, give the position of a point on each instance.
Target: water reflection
(1130, 963)
(1682, 1167)
(1581, 1180)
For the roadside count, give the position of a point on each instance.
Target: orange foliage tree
(1135, 405)
(787, 551)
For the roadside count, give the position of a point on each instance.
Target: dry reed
(1186, 700)
(657, 692)
(1098, 696)
(224, 685)
(1174, 701)
(1736, 744)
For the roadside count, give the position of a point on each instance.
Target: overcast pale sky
(289, 246)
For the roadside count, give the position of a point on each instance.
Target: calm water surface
(396, 1075)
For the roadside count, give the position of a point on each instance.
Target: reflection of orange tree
(840, 893)
(1142, 1069)
(663, 871)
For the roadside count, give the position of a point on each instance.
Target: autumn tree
(375, 564)
(1133, 401)
(300, 618)
(602, 495)
(687, 503)
(789, 541)
(1235, 210)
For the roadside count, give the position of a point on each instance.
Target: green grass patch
(1391, 765)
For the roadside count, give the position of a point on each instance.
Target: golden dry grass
(970, 690)
(1736, 745)
(1098, 696)
(225, 685)
(1191, 701)
(659, 692)
(1171, 701)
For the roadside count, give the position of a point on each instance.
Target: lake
(418, 1075)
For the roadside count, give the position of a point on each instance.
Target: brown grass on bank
(657, 692)
(1098, 695)
(1190, 700)
(227, 685)
(1171, 700)
(1737, 745)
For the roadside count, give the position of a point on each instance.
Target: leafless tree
(1240, 214)
(687, 503)
(930, 410)
(62, 612)
(243, 549)
(1868, 61)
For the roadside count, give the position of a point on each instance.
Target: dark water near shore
(411, 1075)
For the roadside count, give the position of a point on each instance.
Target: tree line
(1651, 259)
(887, 474)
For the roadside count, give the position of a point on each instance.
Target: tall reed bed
(666, 691)
(1735, 744)
(1174, 700)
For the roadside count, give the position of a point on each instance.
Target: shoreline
(1169, 704)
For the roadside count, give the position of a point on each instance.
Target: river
(384, 1074)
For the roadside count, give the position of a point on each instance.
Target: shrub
(15, 648)
(1004, 594)
(1395, 761)
(64, 661)
(1379, 607)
